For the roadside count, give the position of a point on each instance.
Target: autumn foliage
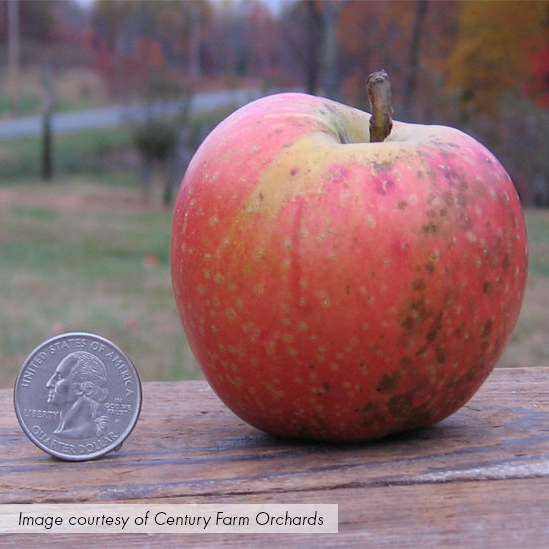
(482, 66)
(493, 54)
(539, 70)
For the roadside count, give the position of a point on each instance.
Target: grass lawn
(84, 253)
(75, 255)
(529, 345)
(103, 153)
(81, 255)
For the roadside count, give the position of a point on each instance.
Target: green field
(529, 345)
(84, 252)
(74, 256)
(104, 154)
(81, 255)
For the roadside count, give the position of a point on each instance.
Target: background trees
(482, 66)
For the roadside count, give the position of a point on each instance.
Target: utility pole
(47, 137)
(315, 30)
(330, 15)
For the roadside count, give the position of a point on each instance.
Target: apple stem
(379, 91)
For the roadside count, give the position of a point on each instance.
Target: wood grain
(478, 479)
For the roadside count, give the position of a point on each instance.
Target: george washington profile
(78, 387)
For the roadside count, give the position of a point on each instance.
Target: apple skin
(341, 290)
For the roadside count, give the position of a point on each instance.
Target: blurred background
(103, 102)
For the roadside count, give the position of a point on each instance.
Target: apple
(340, 289)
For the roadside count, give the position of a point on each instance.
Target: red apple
(339, 289)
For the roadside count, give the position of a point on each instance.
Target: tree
(392, 36)
(317, 49)
(157, 134)
(498, 45)
(413, 59)
(330, 46)
(313, 61)
(48, 103)
(374, 36)
(490, 57)
(539, 72)
(37, 21)
(181, 28)
(144, 53)
(13, 52)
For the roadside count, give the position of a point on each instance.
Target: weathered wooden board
(478, 479)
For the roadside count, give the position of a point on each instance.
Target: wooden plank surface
(478, 479)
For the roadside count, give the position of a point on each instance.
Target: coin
(77, 396)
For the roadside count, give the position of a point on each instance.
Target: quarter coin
(77, 396)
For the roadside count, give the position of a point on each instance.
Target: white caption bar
(169, 518)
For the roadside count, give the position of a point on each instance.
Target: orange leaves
(149, 53)
(539, 70)
(379, 34)
(494, 44)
